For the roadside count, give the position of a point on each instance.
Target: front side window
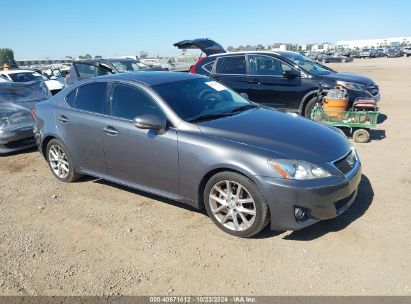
(128, 102)
(92, 98)
(266, 65)
(234, 65)
(307, 64)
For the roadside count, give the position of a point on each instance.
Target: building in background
(38, 62)
(374, 43)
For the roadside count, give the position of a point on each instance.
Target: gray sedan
(191, 139)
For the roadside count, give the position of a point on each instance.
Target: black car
(336, 57)
(281, 79)
(84, 69)
(394, 53)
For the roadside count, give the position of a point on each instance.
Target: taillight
(193, 68)
(33, 112)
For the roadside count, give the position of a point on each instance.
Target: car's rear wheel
(60, 162)
(235, 204)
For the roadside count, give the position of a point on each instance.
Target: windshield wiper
(224, 114)
(241, 109)
(208, 117)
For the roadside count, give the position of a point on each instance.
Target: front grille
(346, 164)
(343, 202)
(374, 90)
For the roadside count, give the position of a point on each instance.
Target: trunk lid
(207, 46)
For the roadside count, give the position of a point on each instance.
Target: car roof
(152, 78)
(93, 61)
(16, 71)
(281, 53)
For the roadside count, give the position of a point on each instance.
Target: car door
(232, 72)
(79, 125)
(144, 157)
(268, 83)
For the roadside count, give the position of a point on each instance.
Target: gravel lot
(93, 237)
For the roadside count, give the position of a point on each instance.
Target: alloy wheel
(232, 205)
(58, 161)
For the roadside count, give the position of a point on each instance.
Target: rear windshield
(25, 77)
(123, 66)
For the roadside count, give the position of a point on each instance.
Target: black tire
(262, 216)
(361, 136)
(72, 175)
(310, 106)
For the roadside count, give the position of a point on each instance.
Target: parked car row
(212, 138)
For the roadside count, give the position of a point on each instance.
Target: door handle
(110, 131)
(63, 119)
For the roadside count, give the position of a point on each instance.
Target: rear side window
(231, 65)
(92, 98)
(71, 98)
(209, 66)
(86, 70)
(128, 102)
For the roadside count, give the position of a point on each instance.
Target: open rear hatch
(207, 46)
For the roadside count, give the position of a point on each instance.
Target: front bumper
(320, 199)
(16, 139)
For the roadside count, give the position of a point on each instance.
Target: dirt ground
(96, 238)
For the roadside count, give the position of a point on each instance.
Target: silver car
(17, 99)
(191, 139)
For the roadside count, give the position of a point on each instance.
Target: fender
(304, 101)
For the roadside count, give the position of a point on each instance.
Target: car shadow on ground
(25, 151)
(358, 209)
(377, 134)
(381, 118)
(144, 194)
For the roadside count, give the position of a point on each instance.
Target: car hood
(286, 135)
(54, 84)
(350, 77)
(207, 46)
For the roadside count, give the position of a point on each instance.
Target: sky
(55, 29)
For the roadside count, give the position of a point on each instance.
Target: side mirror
(149, 121)
(291, 74)
(53, 78)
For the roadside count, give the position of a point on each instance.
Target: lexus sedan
(191, 139)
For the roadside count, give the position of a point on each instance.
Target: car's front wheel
(60, 162)
(235, 204)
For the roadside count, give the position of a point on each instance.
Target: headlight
(352, 86)
(298, 169)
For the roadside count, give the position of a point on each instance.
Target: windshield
(123, 66)
(307, 64)
(25, 76)
(191, 99)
